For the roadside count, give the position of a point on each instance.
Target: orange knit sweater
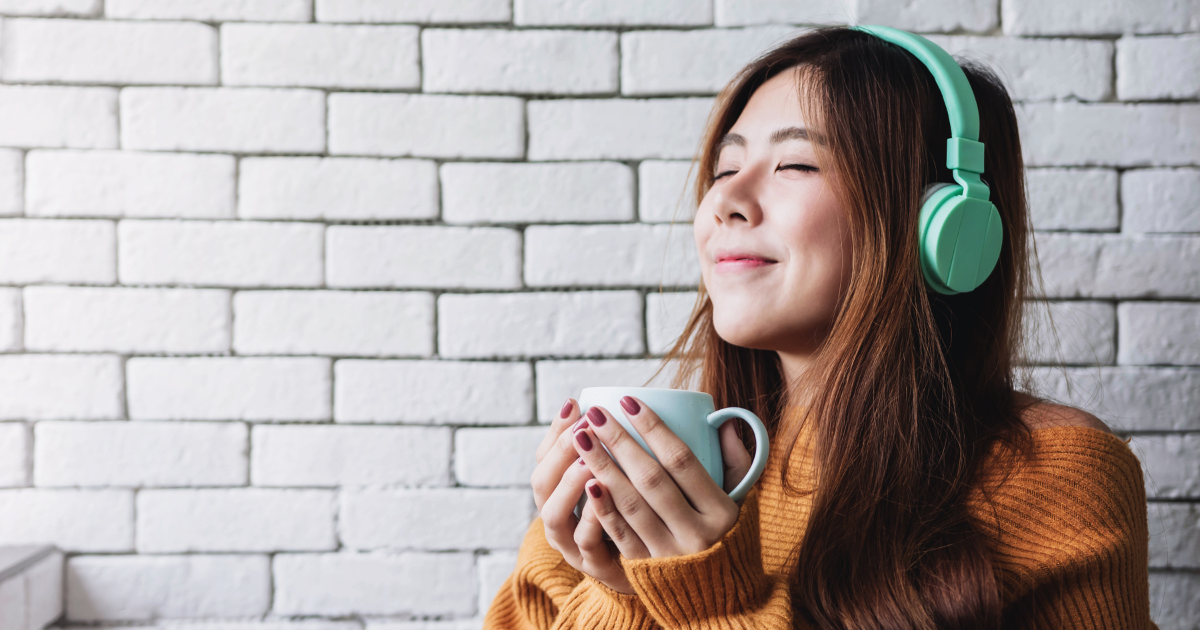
(1069, 549)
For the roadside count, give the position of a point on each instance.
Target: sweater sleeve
(721, 587)
(544, 592)
(1072, 538)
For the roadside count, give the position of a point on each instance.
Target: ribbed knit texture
(1069, 547)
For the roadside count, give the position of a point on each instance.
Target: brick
(72, 520)
(691, 62)
(99, 51)
(126, 320)
(300, 624)
(49, 250)
(14, 454)
(1173, 599)
(1130, 398)
(337, 189)
(239, 520)
(1146, 134)
(1160, 200)
(1162, 66)
(130, 184)
(559, 380)
(1171, 464)
(229, 388)
(420, 11)
(623, 129)
(325, 456)
(433, 392)
(523, 61)
(1159, 333)
(496, 457)
(1174, 535)
(372, 584)
(12, 182)
(1073, 199)
(666, 316)
(43, 589)
(1082, 69)
(467, 518)
(536, 193)
(494, 569)
(449, 257)
(665, 191)
(139, 454)
(653, 255)
(486, 325)
(347, 323)
(1104, 266)
(53, 116)
(54, 8)
(1074, 333)
(750, 12)
(612, 13)
(243, 120)
(1032, 17)
(136, 588)
(426, 125)
(462, 624)
(12, 325)
(938, 15)
(211, 10)
(320, 55)
(220, 253)
(37, 387)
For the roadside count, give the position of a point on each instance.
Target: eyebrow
(780, 135)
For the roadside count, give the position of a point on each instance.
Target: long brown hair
(911, 388)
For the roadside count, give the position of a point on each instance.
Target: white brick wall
(290, 288)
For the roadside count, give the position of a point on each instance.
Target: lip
(723, 255)
(732, 265)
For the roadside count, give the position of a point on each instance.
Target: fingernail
(631, 405)
(566, 410)
(582, 424)
(585, 442)
(594, 490)
(596, 416)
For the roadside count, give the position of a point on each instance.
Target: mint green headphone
(959, 229)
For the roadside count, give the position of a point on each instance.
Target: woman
(912, 483)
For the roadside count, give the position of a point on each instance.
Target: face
(772, 200)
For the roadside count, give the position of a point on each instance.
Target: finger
(558, 513)
(734, 454)
(600, 507)
(557, 426)
(547, 475)
(645, 522)
(597, 554)
(655, 478)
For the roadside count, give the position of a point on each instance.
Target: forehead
(773, 115)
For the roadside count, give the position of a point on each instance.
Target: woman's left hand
(663, 508)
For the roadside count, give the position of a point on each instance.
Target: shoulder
(1046, 415)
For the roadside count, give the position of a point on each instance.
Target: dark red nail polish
(585, 442)
(594, 491)
(582, 424)
(596, 417)
(631, 405)
(566, 410)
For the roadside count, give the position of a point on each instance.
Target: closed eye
(798, 167)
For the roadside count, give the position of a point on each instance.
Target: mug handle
(718, 418)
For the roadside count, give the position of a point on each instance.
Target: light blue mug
(690, 416)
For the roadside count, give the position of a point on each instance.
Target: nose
(737, 198)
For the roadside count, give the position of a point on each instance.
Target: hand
(558, 482)
(657, 510)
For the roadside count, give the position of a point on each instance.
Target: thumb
(733, 454)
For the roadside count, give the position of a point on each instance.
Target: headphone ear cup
(959, 239)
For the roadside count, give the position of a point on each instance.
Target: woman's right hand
(558, 481)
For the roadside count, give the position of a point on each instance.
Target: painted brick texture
(289, 289)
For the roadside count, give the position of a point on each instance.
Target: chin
(741, 331)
